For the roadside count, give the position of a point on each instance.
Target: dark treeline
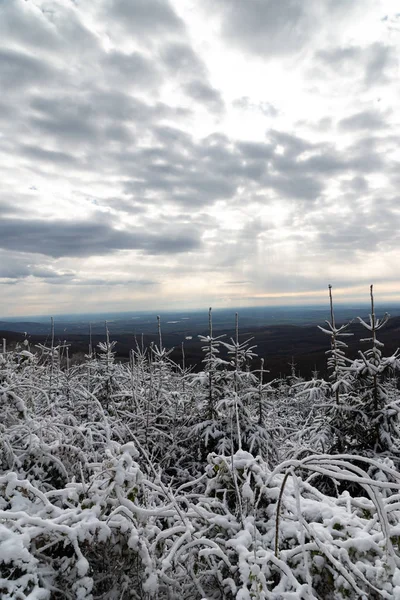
(279, 345)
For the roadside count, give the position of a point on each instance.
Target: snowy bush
(141, 480)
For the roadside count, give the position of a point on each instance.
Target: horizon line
(196, 310)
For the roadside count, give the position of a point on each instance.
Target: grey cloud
(44, 272)
(19, 70)
(118, 133)
(302, 187)
(26, 23)
(362, 230)
(193, 189)
(46, 29)
(340, 56)
(189, 173)
(372, 62)
(181, 59)
(204, 94)
(324, 163)
(348, 240)
(6, 208)
(198, 173)
(51, 156)
(12, 269)
(256, 150)
(365, 162)
(131, 69)
(65, 116)
(323, 159)
(357, 184)
(123, 107)
(380, 58)
(70, 127)
(182, 62)
(266, 27)
(103, 282)
(253, 171)
(87, 118)
(292, 144)
(68, 238)
(174, 167)
(140, 17)
(7, 112)
(167, 135)
(368, 120)
(18, 266)
(269, 28)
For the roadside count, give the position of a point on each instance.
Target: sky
(194, 153)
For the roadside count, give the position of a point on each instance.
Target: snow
(118, 477)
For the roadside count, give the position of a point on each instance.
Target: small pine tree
(371, 372)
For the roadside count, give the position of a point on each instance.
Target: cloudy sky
(187, 153)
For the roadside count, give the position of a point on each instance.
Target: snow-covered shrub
(107, 488)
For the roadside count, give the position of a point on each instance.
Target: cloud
(64, 116)
(49, 156)
(199, 173)
(27, 24)
(292, 144)
(12, 267)
(368, 120)
(91, 117)
(370, 63)
(143, 17)
(105, 282)
(18, 266)
(339, 58)
(204, 94)
(50, 273)
(76, 238)
(256, 150)
(182, 60)
(362, 231)
(131, 70)
(127, 133)
(268, 28)
(182, 63)
(19, 70)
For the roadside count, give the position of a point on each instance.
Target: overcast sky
(187, 153)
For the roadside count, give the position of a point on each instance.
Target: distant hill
(277, 344)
